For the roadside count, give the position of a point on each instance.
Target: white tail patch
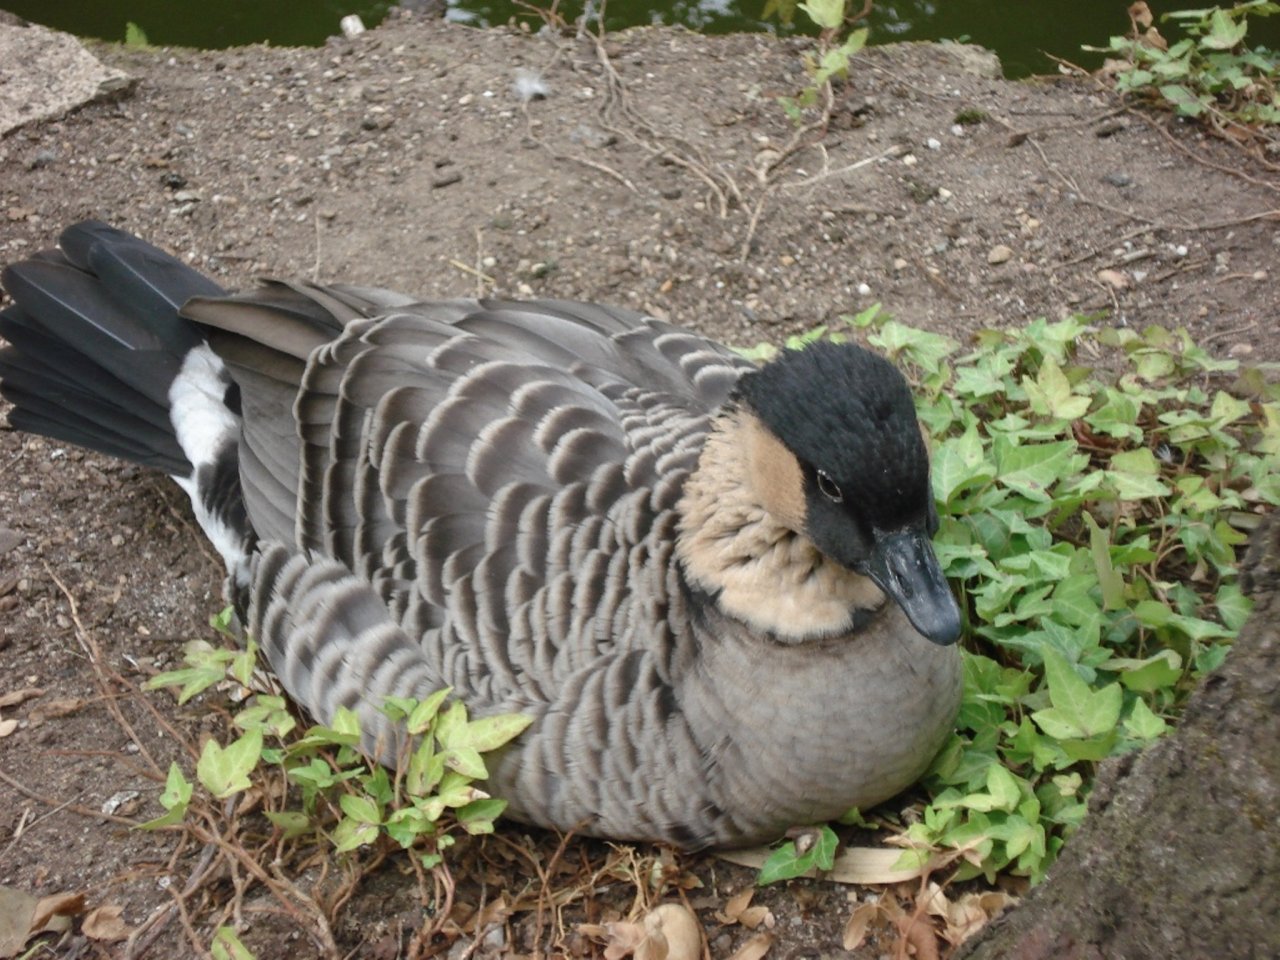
(198, 408)
(207, 429)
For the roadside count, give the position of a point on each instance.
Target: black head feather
(848, 413)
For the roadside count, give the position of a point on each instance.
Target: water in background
(1020, 31)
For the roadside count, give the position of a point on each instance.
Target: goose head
(836, 454)
(833, 496)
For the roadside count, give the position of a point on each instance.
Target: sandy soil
(658, 173)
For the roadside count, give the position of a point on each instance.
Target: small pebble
(118, 800)
(999, 254)
(864, 290)
(933, 143)
(1115, 279)
(1117, 179)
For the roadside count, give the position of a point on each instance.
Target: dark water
(1021, 31)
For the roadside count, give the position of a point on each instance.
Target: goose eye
(830, 489)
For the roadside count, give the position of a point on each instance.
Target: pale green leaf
(1111, 582)
(135, 36)
(424, 714)
(292, 823)
(175, 797)
(1078, 712)
(1032, 469)
(1224, 32)
(449, 723)
(959, 463)
(1051, 393)
(1003, 787)
(466, 761)
(360, 808)
(346, 723)
(225, 771)
(227, 946)
(489, 733)
(827, 14)
(350, 834)
(1233, 606)
(1160, 671)
(1142, 723)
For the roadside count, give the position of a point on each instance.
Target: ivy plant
(1092, 520)
(335, 790)
(1211, 73)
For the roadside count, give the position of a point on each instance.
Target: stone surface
(58, 75)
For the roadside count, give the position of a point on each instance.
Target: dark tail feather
(95, 341)
(148, 282)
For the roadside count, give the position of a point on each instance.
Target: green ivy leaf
(1078, 713)
(1224, 32)
(1233, 606)
(1032, 469)
(787, 863)
(1135, 474)
(1051, 394)
(1160, 671)
(958, 464)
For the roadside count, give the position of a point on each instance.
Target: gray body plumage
(496, 497)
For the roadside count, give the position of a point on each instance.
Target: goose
(710, 583)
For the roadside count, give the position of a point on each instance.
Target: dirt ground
(658, 172)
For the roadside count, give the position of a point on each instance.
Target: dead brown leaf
(668, 932)
(495, 911)
(105, 923)
(55, 912)
(755, 948)
(973, 911)
(855, 930)
(676, 924)
(738, 909)
(54, 709)
(735, 905)
(15, 697)
(622, 938)
(919, 933)
(757, 916)
(16, 909)
(1142, 29)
